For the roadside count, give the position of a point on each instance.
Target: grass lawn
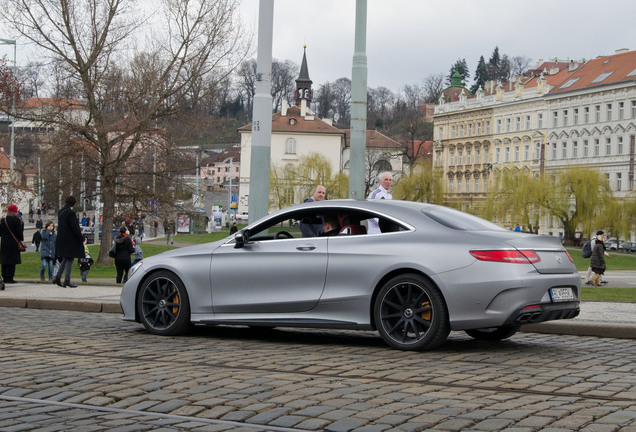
(30, 267)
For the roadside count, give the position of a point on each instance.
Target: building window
(461, 131)
(528, 122)
(537, 150)
(539, 120)
(564, 150)
(476, 185)
(609, 112)
(555, 119)
(575, 149)
(565, 117)
(619, 181)
(476, 156)
(441, 132)
(290, 146)
(506, 154)
(460, 158)
(470, 130)
(467, 185)
(459, 186)
(468, 161)
(554, 151)
(498, 125)
(608, 146)
(597, 147)
(576, 116)
(597, 113)
(620, 145)
(526, 152)
(488, 121)
(452, 131)
(452, 159)
(485, 184)
(478, 128)
(621, 110)
(518, 124)
(497, 155)
(586, 114)
(586, 151)
(633, 109)
(516, 154)
(486, 156)
(451, 185)
(508, 124)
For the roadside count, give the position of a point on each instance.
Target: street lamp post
(9, 189)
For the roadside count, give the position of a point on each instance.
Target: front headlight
(134, 268)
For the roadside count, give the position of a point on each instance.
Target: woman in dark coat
(597, 260)
(69, 243)
(123, 249)
(9, 254)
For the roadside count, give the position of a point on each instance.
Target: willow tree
(130, 67)
(422, 184)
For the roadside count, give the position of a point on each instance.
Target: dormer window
(292, 121)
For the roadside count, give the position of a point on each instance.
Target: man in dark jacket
(11, 231)
(69, 243)
(123, 249)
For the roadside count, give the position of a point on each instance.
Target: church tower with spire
(303, 83)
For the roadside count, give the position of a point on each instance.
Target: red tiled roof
(58, 102)
(617, 67)
(300, 124)
(374, 139)
(5, 163)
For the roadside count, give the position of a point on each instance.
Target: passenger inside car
(330, 225)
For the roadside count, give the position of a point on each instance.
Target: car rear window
(458, 220)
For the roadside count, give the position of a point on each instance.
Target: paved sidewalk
(603, 319)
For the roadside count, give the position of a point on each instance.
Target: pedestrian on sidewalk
(11, 232)
(138, 254)
(597, 260)
(37, 239)
(123, 249)
(69, 243)
(47, 253)
(85, 263)
(590, 272)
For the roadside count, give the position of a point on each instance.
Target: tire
(494, 333)
(163, 305)
(410, 314)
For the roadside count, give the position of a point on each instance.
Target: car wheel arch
(141, 284)
(390, 275)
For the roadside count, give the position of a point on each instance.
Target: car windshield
(459, 220)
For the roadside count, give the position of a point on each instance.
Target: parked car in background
(89, 234)
(612, 244)
(430, 270)
(242, 217)
(628, 247)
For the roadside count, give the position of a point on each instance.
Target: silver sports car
(428, 271)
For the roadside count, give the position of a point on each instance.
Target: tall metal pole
(258, 203)
(358, 104)
(10, 187)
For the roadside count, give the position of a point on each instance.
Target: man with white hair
(382, 192)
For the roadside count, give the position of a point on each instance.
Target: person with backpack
(588, 249)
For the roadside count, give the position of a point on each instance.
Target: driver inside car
(330, 226)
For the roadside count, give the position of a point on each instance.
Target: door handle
(306, 247)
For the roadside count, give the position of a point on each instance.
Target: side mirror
(241, 239)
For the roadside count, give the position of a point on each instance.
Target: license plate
(561, 294)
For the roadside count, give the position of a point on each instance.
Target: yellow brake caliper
(426, 314)
(175, 309)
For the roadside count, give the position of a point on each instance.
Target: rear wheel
(493, 333)
(163, 304)
(410, 313)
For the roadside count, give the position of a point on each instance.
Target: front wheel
(410, 313)
(163, 304)
(494, 333)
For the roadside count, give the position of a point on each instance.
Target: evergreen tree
(462, 67)
(481, 75)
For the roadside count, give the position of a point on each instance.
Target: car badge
(558, 258)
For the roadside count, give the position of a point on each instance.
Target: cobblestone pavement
(63, 370)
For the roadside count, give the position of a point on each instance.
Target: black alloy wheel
(163, 304)
(410, 313)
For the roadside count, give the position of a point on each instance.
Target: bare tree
(324, 101)
(433, 87)
(379, 106)
(124, 82)
(283, 82)
(342, 101)
(518, 65)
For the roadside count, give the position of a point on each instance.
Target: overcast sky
(408, 40)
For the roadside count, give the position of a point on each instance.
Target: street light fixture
(11, 42)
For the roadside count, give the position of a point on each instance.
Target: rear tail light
(569, 257)
(509, 256)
